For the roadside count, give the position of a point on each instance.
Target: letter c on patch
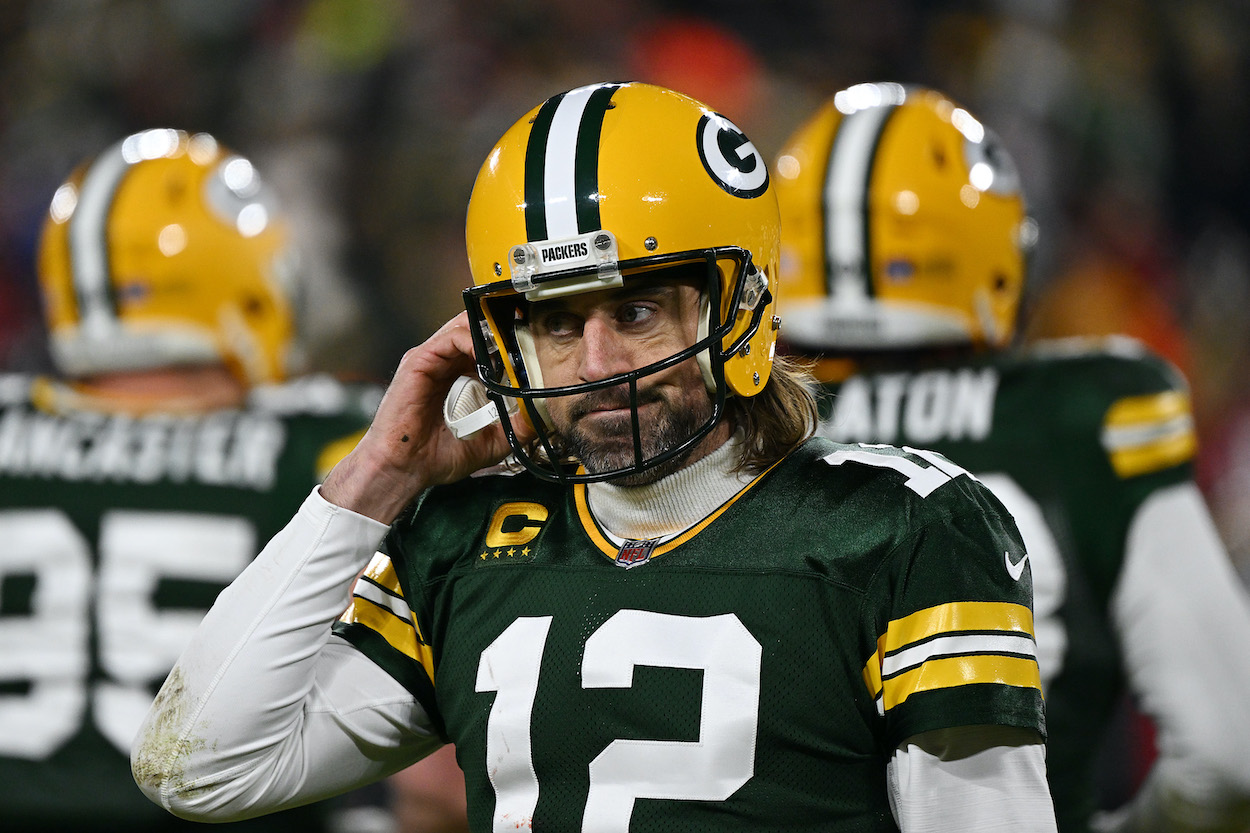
(515, 523)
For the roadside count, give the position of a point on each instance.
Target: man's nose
(604, 350)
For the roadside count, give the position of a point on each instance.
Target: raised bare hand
(408, 447)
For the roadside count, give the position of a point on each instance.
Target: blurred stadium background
(1128, 118)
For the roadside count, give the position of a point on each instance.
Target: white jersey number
(921, 479)
(48, 646)
(709, 769)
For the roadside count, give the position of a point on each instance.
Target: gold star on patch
(482, 556)
(512, 552)
(496, 554)
(525, 551)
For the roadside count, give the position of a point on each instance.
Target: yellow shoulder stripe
(951, 672)
(954, 644)
(381, 571)
(381, 607)
(1142, 434)
(952, 618)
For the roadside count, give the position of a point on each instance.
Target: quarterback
(669, 607)
(141, 479)
(903, 267)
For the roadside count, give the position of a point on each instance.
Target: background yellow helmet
(904, 225)
(167, 250)
(607, 182)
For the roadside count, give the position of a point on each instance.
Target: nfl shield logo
(634, 553)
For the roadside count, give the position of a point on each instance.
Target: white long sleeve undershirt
(1183, 619)
(267, 710)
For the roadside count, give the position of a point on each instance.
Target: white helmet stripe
(88, 241)
(558, 167)
(846, 203)
(562, 164)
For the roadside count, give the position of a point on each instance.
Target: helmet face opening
(601, 187)
(508, 363)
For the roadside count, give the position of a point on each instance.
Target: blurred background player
(903, 267)
(138, 485)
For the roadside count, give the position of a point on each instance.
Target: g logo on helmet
(730, 158)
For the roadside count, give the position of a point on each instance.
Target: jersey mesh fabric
(744, 645)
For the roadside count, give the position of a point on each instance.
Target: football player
(903, 263)
(671, 609)
(139, 482)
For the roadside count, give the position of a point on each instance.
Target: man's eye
(634, 313)
(557, 323)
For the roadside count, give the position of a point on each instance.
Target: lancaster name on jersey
(118, 532)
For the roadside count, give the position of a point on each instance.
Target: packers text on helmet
(602, 185)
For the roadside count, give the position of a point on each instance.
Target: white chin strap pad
(467, 408)
(525, 343)
(704, 357)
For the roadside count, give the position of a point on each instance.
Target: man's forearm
(238, 695)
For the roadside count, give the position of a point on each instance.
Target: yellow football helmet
(602, 184)
(166, 250)
(905, 226)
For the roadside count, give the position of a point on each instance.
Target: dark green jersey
(755, 673)
(116, 534)
(1072, 436)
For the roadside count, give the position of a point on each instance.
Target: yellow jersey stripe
(953, 617)
(1151, 408)
(952, 672)
(388, 614)
(1142, 434)
(382, 573)
(950, 618)
(398, 633)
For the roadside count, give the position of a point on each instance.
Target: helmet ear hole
(253, 305)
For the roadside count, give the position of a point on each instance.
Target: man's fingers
(445, 355)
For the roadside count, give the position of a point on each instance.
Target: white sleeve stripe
(373, 593)
(948, 646)
(1130, 436)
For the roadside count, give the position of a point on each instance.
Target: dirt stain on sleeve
(160, 760)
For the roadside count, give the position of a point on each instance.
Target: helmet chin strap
(704, 357)
(525, 343)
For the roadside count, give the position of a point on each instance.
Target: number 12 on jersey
(709, 769)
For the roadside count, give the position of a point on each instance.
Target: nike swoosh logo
(1015, 569)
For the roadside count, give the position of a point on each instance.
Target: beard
(608, 443)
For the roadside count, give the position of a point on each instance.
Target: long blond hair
(778, 418)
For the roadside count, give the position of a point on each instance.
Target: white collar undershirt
(673, 504)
